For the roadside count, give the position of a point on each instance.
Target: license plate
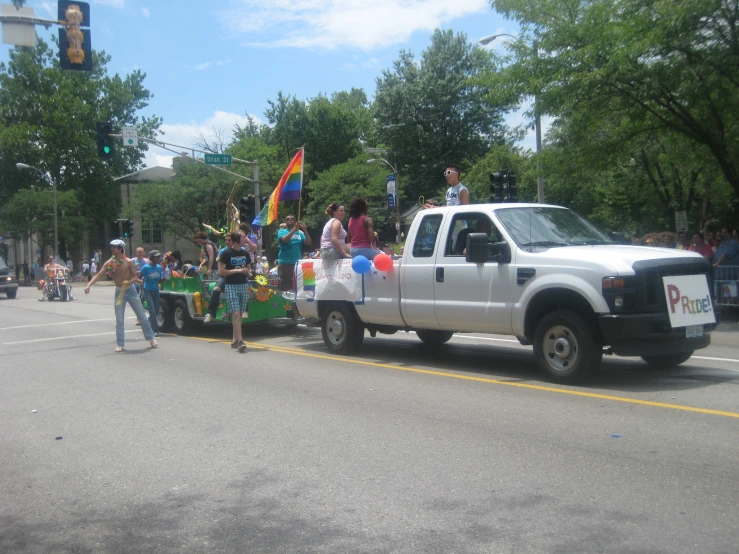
(693, 331)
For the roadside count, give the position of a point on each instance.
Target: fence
(726, 286)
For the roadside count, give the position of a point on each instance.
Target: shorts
(237, 298)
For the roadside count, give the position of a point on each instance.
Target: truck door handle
(439, 274)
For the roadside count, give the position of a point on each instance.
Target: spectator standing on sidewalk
(701, 247)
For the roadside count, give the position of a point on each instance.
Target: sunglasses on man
(449, 172)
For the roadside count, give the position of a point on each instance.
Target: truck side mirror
(479, 250)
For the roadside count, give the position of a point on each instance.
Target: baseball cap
(155, 254)
(118, 242)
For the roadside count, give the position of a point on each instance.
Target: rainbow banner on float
(289, 188)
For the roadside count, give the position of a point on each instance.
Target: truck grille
(650, 294)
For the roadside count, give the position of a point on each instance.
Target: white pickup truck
(539, 272)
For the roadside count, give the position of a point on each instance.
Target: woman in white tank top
(333, 238)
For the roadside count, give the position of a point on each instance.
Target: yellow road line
(299, 352)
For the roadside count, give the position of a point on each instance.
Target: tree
(47, 120)
(656, 63)
(434, 113)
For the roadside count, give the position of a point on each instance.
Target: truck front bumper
(648, 335)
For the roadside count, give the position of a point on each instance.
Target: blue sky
(210, 63)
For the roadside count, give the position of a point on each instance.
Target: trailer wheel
(342, 329)
(164, 316)
(566, 348)
(667, 361)
(183, 324)
(434, 337)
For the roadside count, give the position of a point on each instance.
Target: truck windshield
(3, 265)
(549, 227)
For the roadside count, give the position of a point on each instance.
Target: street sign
(391, 192)
(130, 136)
(681, 222)
(218, 159)
(19, 33)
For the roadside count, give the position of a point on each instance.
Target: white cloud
(206, 65)
(187, 134)
(330, 24)
(145, 11)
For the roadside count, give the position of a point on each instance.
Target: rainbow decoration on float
(309, 276)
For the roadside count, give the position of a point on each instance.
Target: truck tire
(11, 293)
(667, 361)
(342, 329)
(566, 348)
(433, 337)
(164, 316)
(183, 324)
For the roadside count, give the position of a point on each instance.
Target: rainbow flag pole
(289, 188)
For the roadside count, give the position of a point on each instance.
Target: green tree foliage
(651, 65)
(47, 120)
(340, 184)
(434, 112)
(31, 211)
(197, 194)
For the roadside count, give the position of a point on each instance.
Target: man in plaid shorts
(233, 265)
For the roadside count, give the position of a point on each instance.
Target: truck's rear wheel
(434, 337)
(566, 348)
(181, 317)
(342, 329)
(667, 361)
(164, 316)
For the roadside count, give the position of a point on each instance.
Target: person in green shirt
(291, 240)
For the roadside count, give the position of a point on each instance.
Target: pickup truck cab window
(549, 227)
(464, 224)
(428, 231)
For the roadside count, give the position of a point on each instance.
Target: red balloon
(383, 262)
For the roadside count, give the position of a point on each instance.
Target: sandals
(119, 349)
(154, 344)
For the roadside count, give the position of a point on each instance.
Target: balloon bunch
(362, 265)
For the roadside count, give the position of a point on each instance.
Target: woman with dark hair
(333, 238)
(361, 230)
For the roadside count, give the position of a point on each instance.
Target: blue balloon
(360, 264)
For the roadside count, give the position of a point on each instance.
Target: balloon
(211, 286)
(383, 262)
(360, 264)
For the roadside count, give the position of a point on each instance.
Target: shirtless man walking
(122, 271)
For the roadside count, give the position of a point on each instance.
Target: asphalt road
(192, 447)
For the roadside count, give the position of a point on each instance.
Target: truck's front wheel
(566, 348)
(342, 329)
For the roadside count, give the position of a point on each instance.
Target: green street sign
(218, 159)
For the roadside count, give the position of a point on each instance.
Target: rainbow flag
(289, 188)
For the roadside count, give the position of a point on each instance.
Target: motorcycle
(57, 285)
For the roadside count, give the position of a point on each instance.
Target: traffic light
(105, 141)
(117, 228)
(75, 47)
(247, 211)
(130, 228)
(126, 227)
(511, 188)
(496, 187)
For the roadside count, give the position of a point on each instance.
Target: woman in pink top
(333, 238)
(361, 230)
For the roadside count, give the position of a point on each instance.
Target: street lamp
(49, 180)
(397, 195)
(537, 118)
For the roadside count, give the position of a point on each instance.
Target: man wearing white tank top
(457, 193)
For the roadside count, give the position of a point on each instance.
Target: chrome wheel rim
(336, 328)
(160, 317)
(560, 348)
(179, 318)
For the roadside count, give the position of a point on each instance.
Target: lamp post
(49, 180)
(397, 195)
(537, 119)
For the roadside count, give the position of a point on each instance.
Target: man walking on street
(291, 240)
(123, 273)
(234, 266)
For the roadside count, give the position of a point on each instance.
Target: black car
(8, 279)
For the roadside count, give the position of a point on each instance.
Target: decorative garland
(113, 266)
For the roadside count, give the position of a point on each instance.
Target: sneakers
(242, 347)
(208, 318)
